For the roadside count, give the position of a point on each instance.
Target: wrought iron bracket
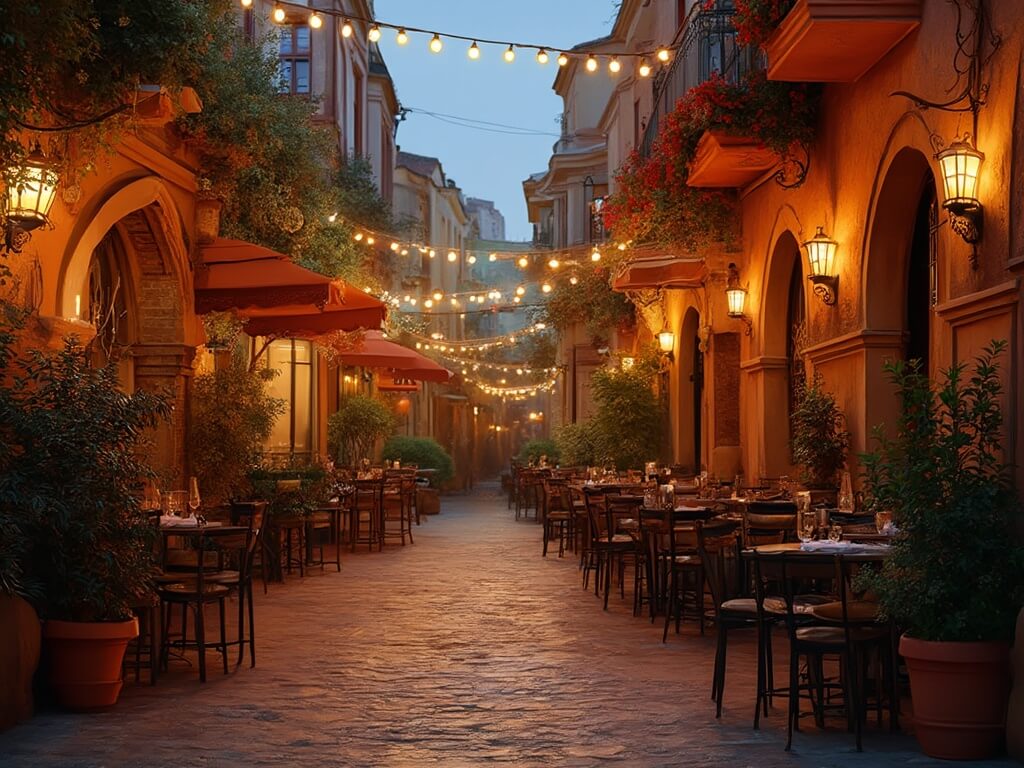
(749, 329)
(826, 288)
(967, 222)
(15, 237)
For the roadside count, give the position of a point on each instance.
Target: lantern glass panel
(959, 166)
(737, 298)
(29, 198)
(821, 254)
(666, 341)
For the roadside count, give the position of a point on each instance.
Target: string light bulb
(645, 68)
(471, 259)
(369, 240)
(542, 57)
(546, 287)
(474, 51)
(524, 262)
(432, 253)
(663, 54)
(438, 295)
(346, 28)
(520, 290)
(435, 44)
(401, 37)
(613, 65)
(573, 280)
(278, 14)
(492, 258)
(591, 63)
(595, 256)
(562, 59)
(509, 55)
(428, 303)
(453, 257)
(395, 247)
(374, 34)
(247, 3)
(315, 21)
(554, 263)
(358, 236)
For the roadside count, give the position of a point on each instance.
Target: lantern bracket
(16, 237)
(826, 288)
(748, 322)
(966, 221)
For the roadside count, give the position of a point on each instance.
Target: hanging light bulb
(401, 37)
(562, 59)
(645, 68)
(428, 303)
(509, 55)
(546, 287)
(278, 14)
(663, 54)
(405, 251)
(358, 236)
(492, 257)
(395, 247)
(432, 253)
(438, 294)
(524, 262)
(596, 255)
(554, 263)
(453, 257)
(247, 3)
(517, 299)
(471, 260)
(474, 51)
(591, 63)
(435, 44)
(542, 57)
(613, 65)
(369, 240)
(315, 21)
(374, 34)
(346, 28)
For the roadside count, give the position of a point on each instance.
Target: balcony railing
(707, 44)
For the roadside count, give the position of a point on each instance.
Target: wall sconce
(667, 343)
(821, 256)
(960, 164)
(736, 297)
(29, 198)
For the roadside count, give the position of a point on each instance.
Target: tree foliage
(956, 572)
(532, 451)
(425, 453)
(629, 419)
(819, 438)
(577, 444)
(353, 429)
(591, 302)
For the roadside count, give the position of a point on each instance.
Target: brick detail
(726, 357)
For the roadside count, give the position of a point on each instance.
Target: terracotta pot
(19, 656)
(85, 660)
(960, 692)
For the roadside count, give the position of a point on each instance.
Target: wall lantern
(29, 197)
(821, 256)
(667, 343)
(960, 164)
(736, 298)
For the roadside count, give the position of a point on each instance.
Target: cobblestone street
(465, 649)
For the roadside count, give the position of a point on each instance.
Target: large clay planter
(85, 660)
(19, 656)
(960, 692)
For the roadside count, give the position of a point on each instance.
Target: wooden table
(792, 550)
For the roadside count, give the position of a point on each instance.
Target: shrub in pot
(356, 426)
(425, 453)
(533, 450)
(576, 444)
(71, 469)
(954, 580)
(819, 439)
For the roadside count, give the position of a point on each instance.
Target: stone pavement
(465, 649)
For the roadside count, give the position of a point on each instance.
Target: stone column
(168, 368)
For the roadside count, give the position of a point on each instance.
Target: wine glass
(193, 495)
(835, 532)
(807, 523)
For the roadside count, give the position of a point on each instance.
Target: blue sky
(484, 164)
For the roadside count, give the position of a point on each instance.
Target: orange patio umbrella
(377, 352)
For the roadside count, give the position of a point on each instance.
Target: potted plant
(425, 453)
(538, 449)
(356, 426)
(954, 580)
(819, 439)
(71, 468)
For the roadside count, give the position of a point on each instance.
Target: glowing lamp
(736, 298)
(401, 37)
(959, 166)
(278, 14)
(666, 341)
(29, 198)
(821, 255)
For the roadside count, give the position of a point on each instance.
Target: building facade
(488, 221)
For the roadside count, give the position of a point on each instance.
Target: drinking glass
(835, 532)
(807, 523)
(883, 522)
(193, 495)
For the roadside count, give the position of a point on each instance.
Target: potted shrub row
(955, 580)
(70, 471)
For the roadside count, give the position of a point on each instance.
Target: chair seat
(224, 577)
(822, 635)
(857, 611)
(618, 538)
(802, 604)
(740, 606)
(186, 589)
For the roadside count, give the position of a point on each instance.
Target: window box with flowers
(825, 41)
(720, 135)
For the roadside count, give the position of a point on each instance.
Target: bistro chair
(768, 524)
(396, 506)
(557, 514)
(685, 577)
(367, 512)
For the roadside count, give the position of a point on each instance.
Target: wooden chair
(367, 512)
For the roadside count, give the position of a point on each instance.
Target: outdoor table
(210, 530)
(857, 553)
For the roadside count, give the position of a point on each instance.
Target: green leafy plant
(819, 439)
(532, 450)
(591, 302)
(314, 489)
(577, 444)
(352, 430)
(629, 419)
(232, 416)
(425, 452)
(71, 469)
(956, 572)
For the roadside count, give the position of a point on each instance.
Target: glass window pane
(303, 351)
(301, 76)
(285, 83)
(279, 357)
(302, 408)
(285, 40)
(301, 38)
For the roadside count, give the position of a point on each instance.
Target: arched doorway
(690, 392)
(922, 278)
(106, 306)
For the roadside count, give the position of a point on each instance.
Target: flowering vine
(756, 20)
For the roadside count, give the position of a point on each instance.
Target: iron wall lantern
(667, 343)
(821, 256)
(960, 165)
(736, 297)
(29, 198)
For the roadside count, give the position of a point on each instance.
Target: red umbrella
(377, 352)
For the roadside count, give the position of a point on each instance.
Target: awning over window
(360, 310)
(661, 272)
(238, 275)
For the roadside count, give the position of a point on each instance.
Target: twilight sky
(485, 164)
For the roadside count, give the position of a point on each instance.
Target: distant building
(490, 223)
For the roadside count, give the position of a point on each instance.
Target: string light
(247, 3)
(663, 54)
(428, 303)
(374, 34)
(591, 63)
(474, 51)
(614, 66)
(542, 57)
(546, 287)
(435, 44)
(346, 28)
(453, 256)
(595, 256)
(520, 290)
(471, 260)
(278, 14)
(562, 59)
(438, 294)
(645, 68)
(509, 55)
(369, 240)
(573, 280)
(401, 37)
(524, 262)
(554, 263)
(492, 257)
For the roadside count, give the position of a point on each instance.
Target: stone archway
(138, 229)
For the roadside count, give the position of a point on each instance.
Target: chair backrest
(723, 564)
(768, 524)
(553, 500)
(783, 573)
(619, 507)
(594, 500)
